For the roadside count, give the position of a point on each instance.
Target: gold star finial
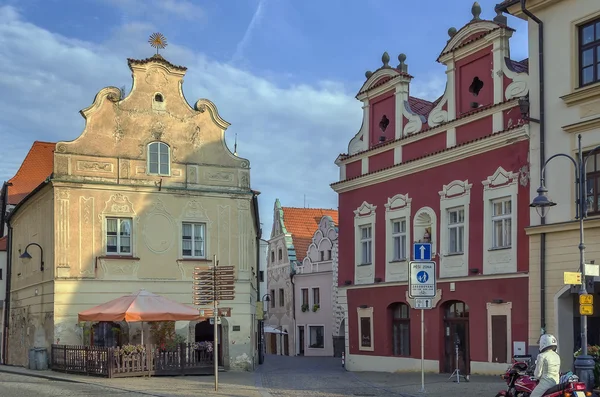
(158, 41)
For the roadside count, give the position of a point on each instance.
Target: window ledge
(399, 260)
(500, 248)
(121, 257)
(582, 94)
(364, 264)
(316, 348)
(454, 254)
(193, 260)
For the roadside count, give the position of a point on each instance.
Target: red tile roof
(37, 166)
(3, 242)
(302, 223)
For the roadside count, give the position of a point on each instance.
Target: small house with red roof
(35, 168)
(451, 174)
(292, 240)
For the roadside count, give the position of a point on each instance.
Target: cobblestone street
(283, 376)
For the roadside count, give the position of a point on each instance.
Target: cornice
(562, 226)
(476, 45)
(532, 5)
(480, 146)
(582, 126)
(581, 95)
(439, 281)
(458, 122)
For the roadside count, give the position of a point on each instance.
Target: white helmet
(546, 341)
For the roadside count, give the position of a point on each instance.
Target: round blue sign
(422, 277)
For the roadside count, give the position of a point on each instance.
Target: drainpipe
(292, 274)
(258, 292)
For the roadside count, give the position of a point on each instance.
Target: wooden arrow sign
(225, 297)
(220, 268)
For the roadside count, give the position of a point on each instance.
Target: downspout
(542, 156)
(258, 292)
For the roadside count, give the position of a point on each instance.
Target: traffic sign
(586, 299)
(422, 283)
(422, 251)
(572, 278)
(423, 303)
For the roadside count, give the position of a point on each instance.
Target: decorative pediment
(500, 178)
(118, 204)
(194, 210)
(438, 115)
(466, 34)
(455, 189)
(378, 78)
(415, 121)
(425, 216)
(397, 202)
(365, 209)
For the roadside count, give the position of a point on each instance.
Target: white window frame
(308, 327)
(366, 245)
(160, 145)
(401, 237)
(118, 219)
(193, 224)
(457, 227)
(364, 216)
(502, 218)
(502, 184)
(453, 196)
(397, 207)
(368, 313)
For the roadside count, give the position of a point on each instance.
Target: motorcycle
(520, 382)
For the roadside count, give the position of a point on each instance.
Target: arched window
(400, 329)
(159, 162)
(457, 309)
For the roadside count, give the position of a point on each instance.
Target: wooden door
(499, 339)
(286, 345)
(301, 341)
(273, 343)
(456, 338)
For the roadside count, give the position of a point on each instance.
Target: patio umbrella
(140, 306)
(270, 330)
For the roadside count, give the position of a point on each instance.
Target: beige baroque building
(571, 56)
(146, 193)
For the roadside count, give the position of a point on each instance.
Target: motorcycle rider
(547, 365)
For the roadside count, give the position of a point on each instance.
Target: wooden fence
(110, 362)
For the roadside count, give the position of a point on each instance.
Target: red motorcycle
(520, 381)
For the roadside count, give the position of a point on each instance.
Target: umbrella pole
(142, 333)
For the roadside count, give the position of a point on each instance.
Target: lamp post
(261, 354)
(25, 255)
(584, 364)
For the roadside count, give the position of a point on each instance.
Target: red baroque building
(453, 172)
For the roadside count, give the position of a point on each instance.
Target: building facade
(145, 194)
(571, 108)
(453, 173)
(36, 167)
(318, 315)
(291, 236)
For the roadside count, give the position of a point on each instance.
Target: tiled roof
(37, 166)
(302, 223)
(3, 242)
(518, 66)
(420, 106)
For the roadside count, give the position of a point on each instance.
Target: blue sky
(284, 73)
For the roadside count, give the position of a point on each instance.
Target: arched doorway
(456, 335)
(205, 332)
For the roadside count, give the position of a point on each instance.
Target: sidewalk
(238, 384)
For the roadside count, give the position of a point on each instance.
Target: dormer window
(159, 161)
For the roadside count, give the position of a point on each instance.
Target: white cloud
(291, 135)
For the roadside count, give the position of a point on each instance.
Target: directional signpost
(422, 288)
(211, 286)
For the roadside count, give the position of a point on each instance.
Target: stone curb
(24, 372)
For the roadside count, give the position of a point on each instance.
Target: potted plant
(305, 307)
(316, 307)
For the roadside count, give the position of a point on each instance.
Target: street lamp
(261, 357)
(26, 255)
(584, 364)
